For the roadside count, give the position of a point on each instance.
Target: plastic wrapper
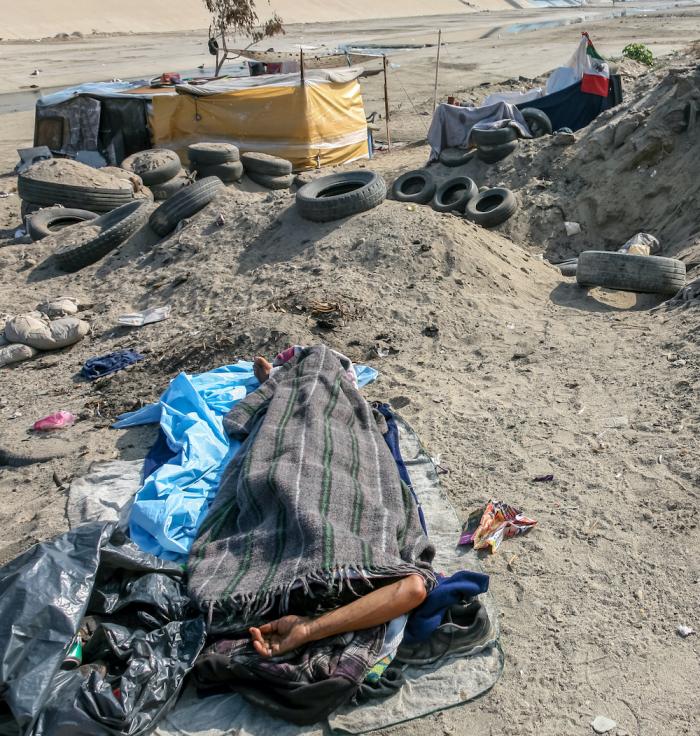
(487, 527)
(58, 420)
(144, 636)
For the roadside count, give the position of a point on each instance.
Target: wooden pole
(437, 69)
(386, 107)
(301, 66)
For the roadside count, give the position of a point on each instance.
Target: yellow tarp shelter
(318, 121)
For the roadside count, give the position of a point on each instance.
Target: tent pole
(386, 107)
(437, 69)
(301, 66)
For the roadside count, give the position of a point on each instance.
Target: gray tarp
(452, 125)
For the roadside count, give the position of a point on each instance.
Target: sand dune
(39, 18)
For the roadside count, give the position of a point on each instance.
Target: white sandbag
(62, 306)
(16, 353)
(44, 334)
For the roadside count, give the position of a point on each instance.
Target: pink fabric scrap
(59, 420)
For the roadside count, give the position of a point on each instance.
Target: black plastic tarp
(145, 639)
(571, 108)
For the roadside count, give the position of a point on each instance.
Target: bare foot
(280, 636)
(261, 368)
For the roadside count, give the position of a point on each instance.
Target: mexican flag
(596, 72)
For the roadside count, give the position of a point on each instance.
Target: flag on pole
(596, 72)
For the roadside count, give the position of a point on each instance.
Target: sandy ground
(527, 374)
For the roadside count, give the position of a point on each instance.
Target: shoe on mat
(465, 630)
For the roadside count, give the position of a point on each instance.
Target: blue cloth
(111, 363)
(175, 498)
(571, 108)
(392, 441)
(428, 616)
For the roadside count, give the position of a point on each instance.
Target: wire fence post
(386, 107)
(437, 69)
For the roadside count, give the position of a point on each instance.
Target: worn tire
(568, 268)
(28, 208)
(453, 194)
(185, 203)
(50, 220)
(414, 186)
(272, 182)
(228, 172)
(494, 154)
(263, 163)
(117, 226)
(492, 207)
(340, 195)
(164, 191)
(212, 154)
(538, 122)
(493, 136)
(645, 274)
(152, 177)
(48, 194)
(454, 157)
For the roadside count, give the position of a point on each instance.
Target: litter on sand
(147, 317)
(488, 526)
(59, 420)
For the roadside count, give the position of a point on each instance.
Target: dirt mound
(633, 169)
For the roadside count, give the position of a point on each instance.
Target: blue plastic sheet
(174, 500)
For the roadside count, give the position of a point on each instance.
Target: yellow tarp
(317, 123)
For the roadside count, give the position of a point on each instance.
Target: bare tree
(240, 17)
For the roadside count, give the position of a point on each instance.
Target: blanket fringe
(239, 610)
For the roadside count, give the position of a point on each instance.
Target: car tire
(625, 272)
(50, 220)
(493, 136)
(49, 194)
(538, 122)
(494, 154)
(162, 192)
(340, 195)
(263, 163)
(416, 186)
(117, 226)
(492, 207)
(153, 174)
(229, 172)
(212, 154)
(454, 194)
(272, 182)
(185, 203)
(454, 157)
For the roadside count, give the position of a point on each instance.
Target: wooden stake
(301, 66)
(386, 107)
(437, 69)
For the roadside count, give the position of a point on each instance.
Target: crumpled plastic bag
(642, 244)
(35, 330)
(147, 317)
(15, 353)
(146, 639)
(58, 420)
(487, 527)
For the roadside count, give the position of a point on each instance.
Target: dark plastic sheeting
(148, 636)
(571, 108)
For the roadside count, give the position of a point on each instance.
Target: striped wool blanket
(313, 498)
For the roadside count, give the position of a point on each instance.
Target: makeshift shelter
(312, 119)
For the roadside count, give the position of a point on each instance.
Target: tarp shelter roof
(235, 84)
(97, 89)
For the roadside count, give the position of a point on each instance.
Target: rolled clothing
(312, 499)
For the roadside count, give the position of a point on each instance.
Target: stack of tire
(216, 159)
(160, 170)
(268, 171)
(494, 144)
